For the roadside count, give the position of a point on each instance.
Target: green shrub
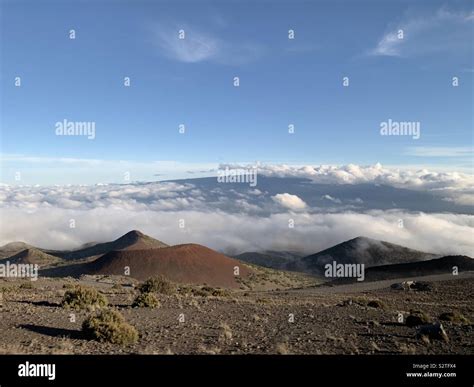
(108, 325)
(83, 298)
(146, 300)
(157, 285)
(26, 285)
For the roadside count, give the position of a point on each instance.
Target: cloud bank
(231, 220)
(235, 233)
(454, 186)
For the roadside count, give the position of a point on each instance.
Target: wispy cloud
(201, 46)
(195, 47)
(440, 31)
(439, 151)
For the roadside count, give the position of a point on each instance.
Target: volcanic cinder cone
(188, 263)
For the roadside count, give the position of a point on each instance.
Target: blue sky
(190, 82)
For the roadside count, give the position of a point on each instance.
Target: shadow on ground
(41, 303)
(54, 332)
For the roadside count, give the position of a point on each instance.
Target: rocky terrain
(367, 318)
(201, 301)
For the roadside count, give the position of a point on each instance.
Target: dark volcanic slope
(368, 251)
(133, 240)
(13, 248)
(189, 263)
(33, 256)
(279, 260)
(442, 265)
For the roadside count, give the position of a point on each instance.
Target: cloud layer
(235, 233)
(451, 185)
(236, 219)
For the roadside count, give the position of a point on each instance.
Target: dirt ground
(311, 320)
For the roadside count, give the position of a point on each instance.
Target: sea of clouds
(42, 215)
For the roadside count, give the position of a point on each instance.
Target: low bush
(157, 285)
(83, 298)
(146, 300)
(108, 325)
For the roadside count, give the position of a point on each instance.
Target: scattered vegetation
(6, 289)
(158, 285)
(206, 291)
(27, 285)
(362, 301)
(202, 291)
(454, 317)
(146, 300)
(108, 325)
(83, 298)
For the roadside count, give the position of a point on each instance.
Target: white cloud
(388, 45)
(443, 30)
(199, 46)
(195, 47)
(334, 200)
(49, 228)
(292, 202)
(452, 186)
(421, 179)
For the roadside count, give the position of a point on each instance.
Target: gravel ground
(313, 320)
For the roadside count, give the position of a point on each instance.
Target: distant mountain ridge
(193, 263)
(279, 260)
(33, 256)
(133, 240)
(13, 248)
(370, 252)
